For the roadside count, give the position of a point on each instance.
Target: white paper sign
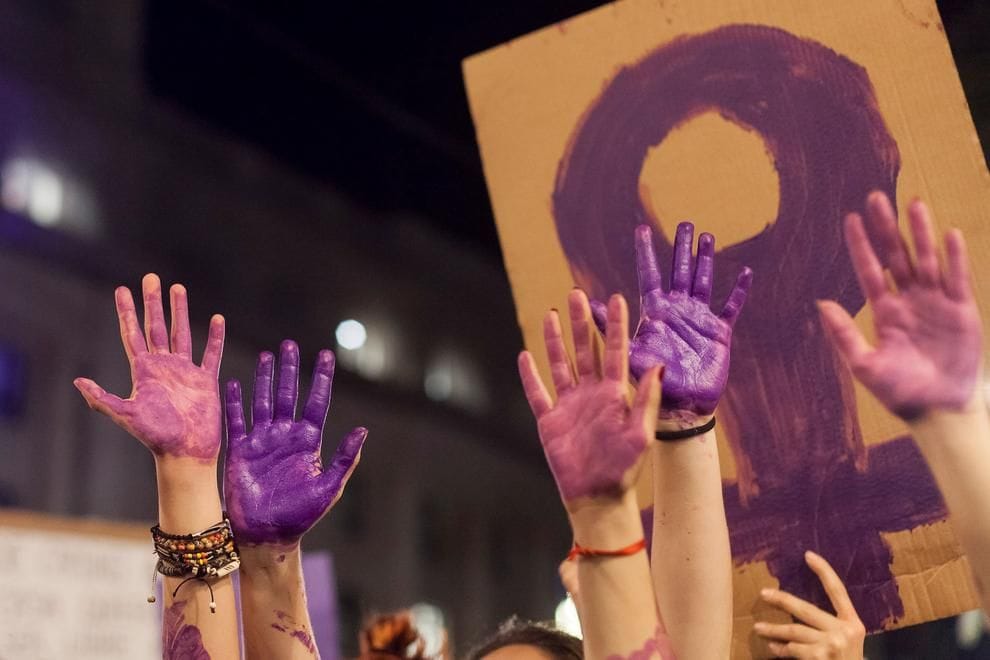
(80, 596)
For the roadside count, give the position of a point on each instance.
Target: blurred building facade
(103, 180)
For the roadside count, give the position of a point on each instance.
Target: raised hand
(275, 484)
(678, 329)
(593, 440)
(820, 634)
(174, 406)
(929, 335)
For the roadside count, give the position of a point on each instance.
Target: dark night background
(297, 164)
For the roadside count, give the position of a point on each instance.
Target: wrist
(607, 525)
(678, 420)
(188, 498)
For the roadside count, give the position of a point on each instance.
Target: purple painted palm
(678, 329)
(275, 484)
(174, 406)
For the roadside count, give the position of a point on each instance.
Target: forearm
(957, 448)
(618, 609)
(188, 502)
(690, 561)
(273, 603)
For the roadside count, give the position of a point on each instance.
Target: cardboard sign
(764, 123)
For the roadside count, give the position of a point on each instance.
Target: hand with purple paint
(678, 329)
(174, 410)
(174, 406)
(275, 484)
(593, 440)
(929, 336)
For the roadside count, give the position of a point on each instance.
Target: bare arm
(174, 410)
(594, 442)
(277, 489)
(691, 560)
(926, 366)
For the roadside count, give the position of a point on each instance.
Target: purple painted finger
(704, 272)
(925, 248)
(560, 363)
(99, 399)
(181, 336)
(585, 353)
(680, 279)
(616, 365)
(318, 402)
(536, 392)
(646, 261)
(154, 314)
(345, 460)
(883, 219)
(599, 312)
(130, 331)
(236, 428)
(957, 282)
(261, 409)
(213, 352)
(734, 305)
(869, 272)
(287, 388)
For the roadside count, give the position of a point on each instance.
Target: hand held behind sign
(926, 366)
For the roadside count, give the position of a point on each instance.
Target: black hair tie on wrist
(684, 434)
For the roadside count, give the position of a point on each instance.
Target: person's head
(528, 640)
(389, 636)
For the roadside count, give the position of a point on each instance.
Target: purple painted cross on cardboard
(804, 478)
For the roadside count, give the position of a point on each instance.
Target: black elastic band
(684, 434)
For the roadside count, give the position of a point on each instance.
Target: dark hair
(545, 636)
(391, 636)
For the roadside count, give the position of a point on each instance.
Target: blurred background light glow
(566, 618)
(351, 334)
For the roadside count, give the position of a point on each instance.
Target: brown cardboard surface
(535, 101)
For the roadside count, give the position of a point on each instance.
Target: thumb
(345, 460)
(99, 399)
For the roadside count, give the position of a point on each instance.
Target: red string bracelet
(578, 551)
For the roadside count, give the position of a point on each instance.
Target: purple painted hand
(929, 334)
(174, 406)
(275, 485)
(593, 440)
(678, 328)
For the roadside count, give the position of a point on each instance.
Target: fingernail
(759, 626)
(766, 593)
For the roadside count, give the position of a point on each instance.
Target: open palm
(593, 440)
(174, 406)
(275, 484)
(928, 332)
(677, 328)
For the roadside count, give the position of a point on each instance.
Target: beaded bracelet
(209, 554)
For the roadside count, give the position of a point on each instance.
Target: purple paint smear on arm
(275, 483)
(657, 646)
(805, 478)
(292, 629)
(180, 640)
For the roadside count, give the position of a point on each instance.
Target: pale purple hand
(593, 440)
(174, 406)
(678, 328)
(275, 485)
(929, 334)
